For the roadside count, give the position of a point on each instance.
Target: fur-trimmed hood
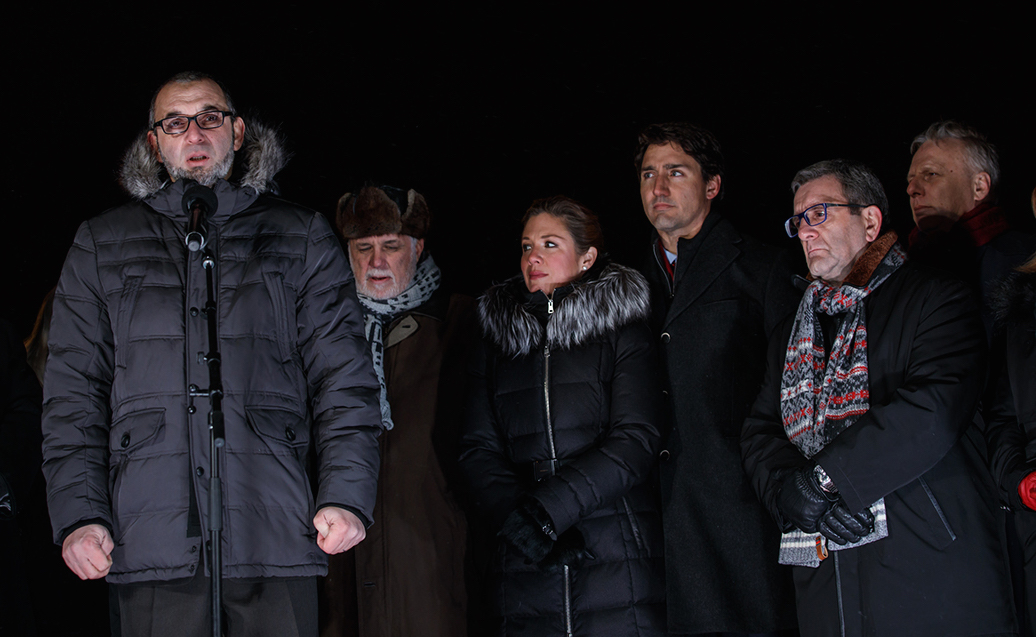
(590, 308)
(1014, 299)
(261, 157)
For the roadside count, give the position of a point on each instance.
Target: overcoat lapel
(715, 255)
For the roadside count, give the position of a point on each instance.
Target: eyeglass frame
(802, 216)
(194, 118)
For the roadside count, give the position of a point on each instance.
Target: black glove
(569, 550)
(842, 527)
(801, 501)
(529, 529)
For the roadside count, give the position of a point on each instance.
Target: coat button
(663, 455)
(191, 409)
(191, 568)
(665, 337)
(194, 311)
(194, 549)
(290, 433)
(125, 440)
(199, 471)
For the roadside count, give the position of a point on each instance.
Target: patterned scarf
(380, 312)
(820, 401)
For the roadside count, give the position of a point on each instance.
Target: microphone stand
(217, 439)
(198, 201)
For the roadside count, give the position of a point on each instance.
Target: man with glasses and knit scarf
(858, 441)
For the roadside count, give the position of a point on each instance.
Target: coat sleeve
(765, 448)
(626, 453)
(927, 405)
(781, 296)
(76, 392)
(1005, 436)
(343, 389)
(491, 478)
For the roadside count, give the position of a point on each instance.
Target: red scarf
(983, 223)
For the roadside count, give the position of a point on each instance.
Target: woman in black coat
(1012, 421)
(562, 432)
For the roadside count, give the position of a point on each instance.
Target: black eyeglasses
(814, 216)
(178, 124)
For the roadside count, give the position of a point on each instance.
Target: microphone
(198, 203)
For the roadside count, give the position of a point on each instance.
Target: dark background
(485, 110)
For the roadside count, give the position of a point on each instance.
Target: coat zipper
(838, 590)
(633, 525)
(568, 603)
(546, 389)
(553, 460)
(546, 402)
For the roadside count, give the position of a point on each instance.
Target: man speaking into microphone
(126, 393)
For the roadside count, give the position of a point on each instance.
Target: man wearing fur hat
(127, 387)
(858, 442)
(407, 578)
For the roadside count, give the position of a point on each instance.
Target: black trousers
(277, 607)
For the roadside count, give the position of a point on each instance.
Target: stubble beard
(205, 176)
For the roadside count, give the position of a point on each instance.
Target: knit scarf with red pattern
(818, 400)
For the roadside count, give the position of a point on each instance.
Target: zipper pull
(550, 304)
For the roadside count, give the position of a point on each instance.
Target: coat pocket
(278, 427)
(127, 304)
(283, 314)
(921, 515)
(134, 429)
(286, 434)
(638, 536)
(127, 437)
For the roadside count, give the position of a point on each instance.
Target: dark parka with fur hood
(127, 447)
(587, 386)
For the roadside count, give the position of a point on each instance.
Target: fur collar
(261, 157)
(617, 297)
(1014, 299)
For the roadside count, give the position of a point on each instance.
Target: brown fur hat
(376, 210)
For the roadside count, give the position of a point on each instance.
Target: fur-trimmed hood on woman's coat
(1014, 299)
(261, 157)
(586, 309)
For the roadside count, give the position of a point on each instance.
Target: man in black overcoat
(716, 296)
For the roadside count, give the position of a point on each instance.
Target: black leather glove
(569, 550)
(801, 501)
(842, 527)
(529, 529)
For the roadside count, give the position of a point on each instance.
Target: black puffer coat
(126, 446)
(587, 386)
(1011, 411)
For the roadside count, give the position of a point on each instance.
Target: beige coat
(407, 577)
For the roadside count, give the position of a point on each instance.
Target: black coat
(594, 367)
(721, 545)
(941, 570)
(1011, 414)
(1012, 408)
